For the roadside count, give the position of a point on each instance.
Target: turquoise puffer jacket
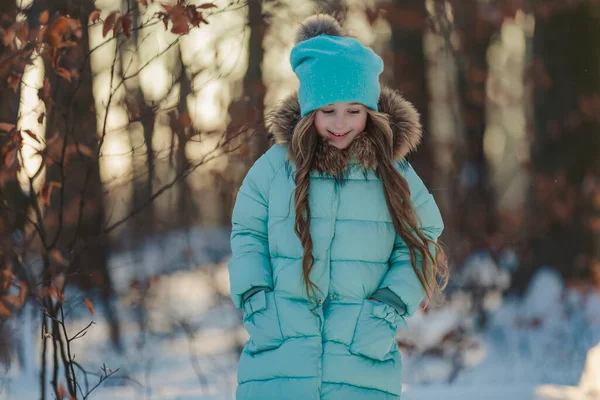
(340, 345)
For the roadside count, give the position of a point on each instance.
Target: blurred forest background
(127, 127)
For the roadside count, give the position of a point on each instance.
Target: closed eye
(327, 111)
(354, 111)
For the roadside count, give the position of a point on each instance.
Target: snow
(543, 299)
(532, 348)
(590, 379)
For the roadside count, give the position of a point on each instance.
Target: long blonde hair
(304, 144)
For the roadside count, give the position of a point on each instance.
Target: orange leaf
(61, 391)
(32, 135)
(59, 30)
(5, 126)
(89, 305)
(180, 26)
(206, 6)
(117, 25)
(85, 150)
(44, 17)
(95, 16)
(62, 72)
(109, 22)
(127, 25)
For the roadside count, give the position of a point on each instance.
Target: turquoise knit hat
(332, 68)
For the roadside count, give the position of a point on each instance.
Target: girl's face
(340, 123)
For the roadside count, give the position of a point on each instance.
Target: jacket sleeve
(250, 265)
(401, 278)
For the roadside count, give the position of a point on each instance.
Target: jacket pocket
(261, 320)
(375, 331)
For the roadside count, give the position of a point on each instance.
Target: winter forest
(127, 126)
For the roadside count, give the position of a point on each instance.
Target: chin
(341, 146)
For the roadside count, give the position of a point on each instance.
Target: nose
(339, 122)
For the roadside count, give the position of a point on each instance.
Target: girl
(334, 234)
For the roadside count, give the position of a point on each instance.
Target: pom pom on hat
(315, 25)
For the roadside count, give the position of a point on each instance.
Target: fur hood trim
(403, 119)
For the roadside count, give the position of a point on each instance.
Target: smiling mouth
(338, 134)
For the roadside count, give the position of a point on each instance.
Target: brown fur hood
(404, 121)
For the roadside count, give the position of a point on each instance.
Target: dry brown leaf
(62, 72)
(206, 6)
(180, 25)
(117, 25)
(40, 119)
(89, 305)
(95, 16)
(85, 150)
(57, 31)
(109, 22)
(127, 25)
(44, 17)
(61, 391)
(7, 127)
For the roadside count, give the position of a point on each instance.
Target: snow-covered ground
(534, 348)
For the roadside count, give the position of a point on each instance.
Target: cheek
(359, 123)
(321, 124)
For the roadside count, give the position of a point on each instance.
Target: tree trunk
(247, 113)
(187, 210)
(14, 201)
(139, 111)
(74, 218)
(475, 207)
(564, 226)
(407, 19)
